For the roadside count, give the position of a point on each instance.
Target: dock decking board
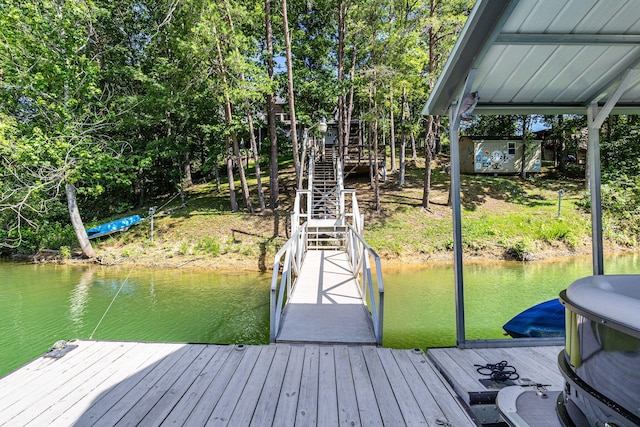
(326, 306)
(198, 384)
(538, 364)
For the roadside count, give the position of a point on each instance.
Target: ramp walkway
(327, 282)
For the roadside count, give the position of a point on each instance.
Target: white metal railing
(298, 216)
(361, 255)
(290, 258)
(352, 217)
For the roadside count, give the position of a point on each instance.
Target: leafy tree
(51, 89)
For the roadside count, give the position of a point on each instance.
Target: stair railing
(361, 256)
(289, 258)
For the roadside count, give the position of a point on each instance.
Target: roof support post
(454, 128)
(595, 119)
(594, 187)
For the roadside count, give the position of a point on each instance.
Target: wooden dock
(101, 383)
(533, 365)
(326, 305)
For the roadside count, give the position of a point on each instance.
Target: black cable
(499, 372)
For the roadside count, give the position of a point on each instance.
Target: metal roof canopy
(540, 57)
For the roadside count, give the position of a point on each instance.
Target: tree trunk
(341, 97)
(414, 152)
(292, 108)
(256, 160)
(274, 190)
(376, 181)
(228, 148)
(429, 150)
(428, 157)
(403, 140)
(243, 179)
(216, 170)
(188, 179)
(232, 185)
(76, 222)
(392, 132)
(350, 104)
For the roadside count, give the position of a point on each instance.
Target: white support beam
(593, 153)
(595, 119)
(625, 83)
(454, 128)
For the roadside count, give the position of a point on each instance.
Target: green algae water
(41, 304)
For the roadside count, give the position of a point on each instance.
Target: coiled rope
(110, 304)
(499, 372)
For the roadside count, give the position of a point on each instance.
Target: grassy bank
(503, 218)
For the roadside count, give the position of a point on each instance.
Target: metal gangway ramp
(327, 281)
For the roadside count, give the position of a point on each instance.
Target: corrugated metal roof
(544, 56)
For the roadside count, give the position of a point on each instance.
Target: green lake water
(41, 304)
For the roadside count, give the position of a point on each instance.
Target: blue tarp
(113, 226)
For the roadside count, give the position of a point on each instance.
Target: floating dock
(96, 383)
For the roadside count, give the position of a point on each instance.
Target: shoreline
(233, 263)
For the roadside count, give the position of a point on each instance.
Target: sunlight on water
(41, 304)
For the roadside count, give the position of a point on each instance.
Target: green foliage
(184, 248)
(556, 230)
(209, 245)
(620, 207)
(65, 252)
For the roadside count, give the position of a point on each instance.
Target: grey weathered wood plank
(213, 392)
(288, 403)
(328, 397)
(463, 381)
(266, 406)
(227, 402)
(348, 413)
(423, 395)
(447, 400)
(387, 401)
(280, 384)
(368, 406)
(307, 411)
(405, 398)
(85, 390)
(199, 386)
(114, 402)
(45, 370)
(175, 392)
(146, 394)
(150, 377)
(32, 371)
(526, 365)
(326, 305)
(60, 382)
(248, 401)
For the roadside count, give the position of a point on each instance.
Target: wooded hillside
(108, 106)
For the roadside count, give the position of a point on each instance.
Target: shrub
(210, 245)
(65, 252)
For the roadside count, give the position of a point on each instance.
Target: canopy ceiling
(544, 57)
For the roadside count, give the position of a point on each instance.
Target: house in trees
(490, 155)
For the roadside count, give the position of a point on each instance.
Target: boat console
(601, 360)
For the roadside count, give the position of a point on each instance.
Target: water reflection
(79, 298)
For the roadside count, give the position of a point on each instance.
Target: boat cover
(543, 320)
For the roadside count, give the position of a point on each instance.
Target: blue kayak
(543, 320)
(113, 226)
